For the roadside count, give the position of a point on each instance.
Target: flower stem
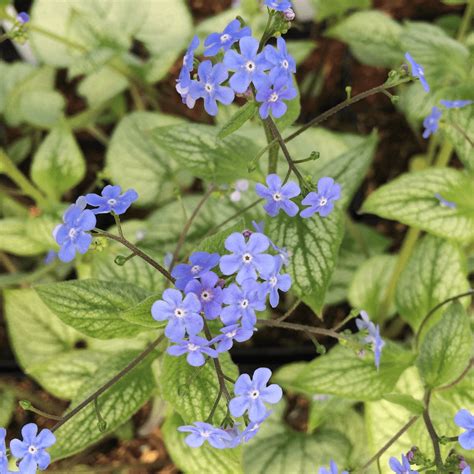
(301, 328)
(432, 432)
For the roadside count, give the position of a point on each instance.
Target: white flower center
(254, 394)
(192, 347)
(231, 334)
(285, 64)
(273, 280)
(72, 233)
(179, 312)
(205, 434)
(250, 66)
(225, 37)
(323, 201)
(112, 202)
(277, 197)
(273, 97)
(32, 449)
(209, 88)
(206, 295)
(247, 258)
(244, 303)
(195, 269)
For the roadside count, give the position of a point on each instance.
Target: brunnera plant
(159, 324)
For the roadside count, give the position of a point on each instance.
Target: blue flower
(465, 420)
(111, 200)
(431, 122)
(3, 451)
(247, 258)
(202, 432)
(282, 63)
(188, 58)
(182, 314)
(465, 468)
(249, 65)
(417, 71)
(322, 201)
(209, 293)
(282, 251)
(445, 202)
(253, 428)
(182, 88)
(195, 347)
(274, 282)
(401, 467)
(232, 33)
(253, 393)
(455, 104)
(23, 17)
(278, 196)
(243, 302)
(278, 5)
(373, 338)
(201, 263)
(31, 450)
(332, 469)
(225, 341)
(72, 236)
(271, 95)
(208, 86)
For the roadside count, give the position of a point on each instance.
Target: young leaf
(436, 270)
(447, 348)
(243, 114)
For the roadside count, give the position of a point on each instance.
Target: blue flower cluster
(267, 73)
(73, 234)
(31, 450)
(278, 197)
(373, 335)
(333, 469)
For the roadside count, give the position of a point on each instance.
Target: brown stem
(463, 374)
(301, 328)
(431, 430)
(150, 348)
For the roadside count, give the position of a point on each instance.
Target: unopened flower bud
(23, 17)
(247, 233)
(411, 453)
(221, 282)
(289, 14)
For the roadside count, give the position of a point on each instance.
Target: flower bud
(289, 14)
(247, 233)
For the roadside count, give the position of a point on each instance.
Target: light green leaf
(102, 85)
(459, 128)
(313, 244)
(323, 409)
(415, 103)
(325, 9)
(197, 148)
(191, 391)
(369, 285)
(197, 461)
(12, 75)
(277, 448)
(215, 242)
(244, 113)
(435, 271)
(15, 239)
(407, 401)
(447, 348)
(141, 314)
(373, 36)
(300, 49)
(58, 165)
(116, 405)
(7, 405)
(42, 108)
(94, 307)
(410, 199)
(343, 373)
(132, 149)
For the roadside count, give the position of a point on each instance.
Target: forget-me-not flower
(282, 251)
(23, 17)
(208, 86)
(431, 122)
(455, 104)
(373, 338)
(32, 449)
(417, 71)
(111, 200)
(247, 258)
(253, 393)
(195, 347)
(322, 201)
(278, 195)
(72, 235)
(272, 94)
(242, 303)
(282, 63)
(333, 469)
(278, 5)
(209, 293)
(231, 333)
(182, 314)
(200, 263)
(464, 419)
(401, 467)
(249, 66)
(253, 427)
(202, 432)
(231, 34)
(275, 281)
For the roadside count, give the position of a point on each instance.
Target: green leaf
(197, 148)
(325, 9)
(369, 285)
(407, 401)
(459, 128)
(94, 307)
(435, 271)
(7, 405)
(197, 461)
(313, 244)
(15, 239)
(58, 165)
(116, 405)
(132, 148)
(12, 74)
(447, 348)
(343, 373)
(277, 448)
(215, 242)
(410, 199)
(191, 391)
(323, 409)
(374, 38)
(102, 85)
(42, 109)
(243, 114)
(141, 314)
